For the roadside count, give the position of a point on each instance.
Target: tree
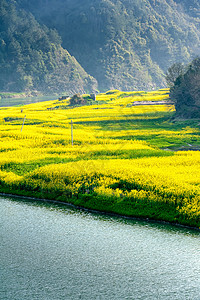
(186, 91)
(176, 70)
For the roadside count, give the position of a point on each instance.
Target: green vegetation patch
(23, 168)
(126, 154)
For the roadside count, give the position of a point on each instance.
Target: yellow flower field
(128, 159)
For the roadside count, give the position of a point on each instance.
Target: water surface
(23, 101)
(51, 252)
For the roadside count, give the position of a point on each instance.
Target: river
(50, 251)
(24, 101)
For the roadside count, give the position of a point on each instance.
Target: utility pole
(23, 123)
(72, 138)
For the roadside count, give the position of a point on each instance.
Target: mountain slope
(31, 56)
(191, 7)
(124, 44)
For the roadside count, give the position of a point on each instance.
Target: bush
(77, 99)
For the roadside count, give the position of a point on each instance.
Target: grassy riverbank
(122, 160)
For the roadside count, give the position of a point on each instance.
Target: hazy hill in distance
(31, 56)
(124, 44)
(191, 7)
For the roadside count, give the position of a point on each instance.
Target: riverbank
(81, 208)
(122, 187)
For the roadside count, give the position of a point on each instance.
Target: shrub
(77, 99)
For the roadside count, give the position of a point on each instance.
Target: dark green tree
(176, 70)
(186, 91)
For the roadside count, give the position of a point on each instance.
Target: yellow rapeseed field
(125, 158)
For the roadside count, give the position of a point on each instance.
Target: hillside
(31, 56)
(124, 44)
(191, 7)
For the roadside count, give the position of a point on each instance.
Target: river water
(50, 251)
(24, 101)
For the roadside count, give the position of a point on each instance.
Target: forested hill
(124, 44)
(31, 56)
(191, 7)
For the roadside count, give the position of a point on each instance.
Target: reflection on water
(51, 251)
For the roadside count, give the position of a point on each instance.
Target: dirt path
(152, 103)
